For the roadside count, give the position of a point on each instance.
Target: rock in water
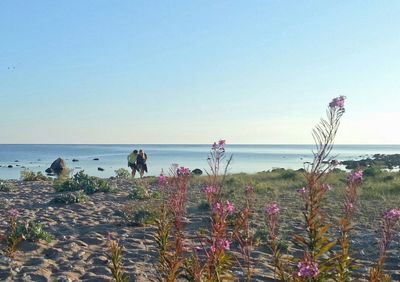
(100, 169)
(58, 166)
(197, 171)
(75, 160)
(96, 159)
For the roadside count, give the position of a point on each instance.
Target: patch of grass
(70, 198)
(138, 216)
(139, 193)
(5, 187)
(122, 173)
(27, 175)
(203, 205)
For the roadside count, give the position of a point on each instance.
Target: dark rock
(100, 169)
(10, 166)
(16, 161)
(197, 171)
(75, 160)
(52, 253)
(96, 159)
(57, 167)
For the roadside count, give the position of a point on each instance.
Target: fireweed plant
(170, 226)
(389, 220)
(242, 233)
(345, 262)
(319, 261)
(12, 236)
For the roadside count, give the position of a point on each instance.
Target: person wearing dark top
(141, 163)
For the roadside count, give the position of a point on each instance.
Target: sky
(155, 72)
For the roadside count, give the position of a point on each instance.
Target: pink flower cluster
(326, 187)
(224, 244)
(356, 177)
(210, 190)
(272, 209)
(220, 145)
(307, 269)
(182, 171)
(13, 213)
(301, 190)
(337, 102)
(162, 181)
(228, 208)
(393, 214)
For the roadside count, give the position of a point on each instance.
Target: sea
(245, 158)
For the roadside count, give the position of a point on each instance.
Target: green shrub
(203, 205)
(104, 186)
(33, 231)
(27, 175)
(137, 216)
(122, 173)
(82, 181)
(144, 216)
(261, 236)
(4, 187)
(288, 174)
(139, 193)
(70, 198)
(372, 171)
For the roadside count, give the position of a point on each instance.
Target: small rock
(75, 160)
(4, 259)
(64, 279)
(10, 166)
(100, 169)
(96, 159)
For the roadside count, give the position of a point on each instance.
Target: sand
(79, 251)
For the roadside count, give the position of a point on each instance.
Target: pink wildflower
(183, 171)
(307, 269)
(356, 177)
(301, 190)
(213, 249)
(392, 214)
(221, 143)
(230, 208)
(162, 180)
(13, 213)
(326, 187)
(224, 244)
(217, 207)
(209, 190)
(337, 102)
(272, 209)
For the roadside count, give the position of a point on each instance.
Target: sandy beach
(79, 249)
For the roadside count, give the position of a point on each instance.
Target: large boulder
(57, 167)
(197, 171)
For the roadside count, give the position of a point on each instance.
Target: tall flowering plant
(12, 236)
(389, 221)
(215, 244)
(317, 243)
(345, 262)
(242, 232)
(170, 226)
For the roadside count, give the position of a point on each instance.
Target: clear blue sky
(195, 71)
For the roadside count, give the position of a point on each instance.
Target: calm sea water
(246, 158)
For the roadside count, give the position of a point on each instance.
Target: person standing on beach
(132, 162)
(141, 162)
